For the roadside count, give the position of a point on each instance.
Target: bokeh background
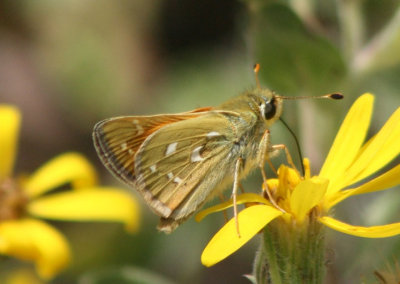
(69, 64)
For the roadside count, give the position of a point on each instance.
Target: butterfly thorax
(249, 115)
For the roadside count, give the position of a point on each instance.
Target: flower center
(298, 196)
(12, 200)
(282, 187)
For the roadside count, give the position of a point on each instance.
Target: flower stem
(291, 253)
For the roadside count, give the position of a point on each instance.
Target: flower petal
(10, 119)
(307, 169)
(365, 232)
(241, 199)
(226, 241)
(91, 204)
(348, 141)
(66, 168)
(288, 180)
(307, 195)
(379, 151)
(34, 240)
(387, 180)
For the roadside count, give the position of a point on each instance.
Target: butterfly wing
(179, 166)
(175, 161)
(118, 139)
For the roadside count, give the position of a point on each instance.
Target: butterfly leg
(265, 150)
(234, 192)
(271, 165)
(289, 159)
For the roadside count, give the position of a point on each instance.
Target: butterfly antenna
(333, 96)
(256, 69)
(297, 145)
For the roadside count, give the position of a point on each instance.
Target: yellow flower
(349, 162)
(22, 201)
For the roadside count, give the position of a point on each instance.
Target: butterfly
(178, 162)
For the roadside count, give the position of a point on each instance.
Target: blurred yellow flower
(24, 200)
(21, 275)
(349, 162)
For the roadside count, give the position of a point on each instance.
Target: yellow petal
(306, 196)
(288, 180)
(348, 141)
(34, 240)
(365, 232)
(66, 168)
(241, 199)
(272, 184)
(10, 119)
(92, 204)
(307, 169)
(226, 241)
(379, 151)
(387, 180)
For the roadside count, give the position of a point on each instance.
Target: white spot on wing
(124, 146)
(138, 127)
(153, 168)
(195, 157)
(177, 180)
(130, 151)
(160, 207)
(213, 134)
(170, 175)
(157, 204)
(147, 195)
(171, 148)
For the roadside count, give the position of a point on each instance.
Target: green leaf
(293, 59)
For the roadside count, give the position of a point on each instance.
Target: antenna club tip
(336, 96)
(256, 67)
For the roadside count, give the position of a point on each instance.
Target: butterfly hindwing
(174, 165)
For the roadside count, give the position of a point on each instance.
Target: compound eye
(269, 109)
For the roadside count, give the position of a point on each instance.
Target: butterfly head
(268, 104)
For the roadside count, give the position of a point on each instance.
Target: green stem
(293, 253)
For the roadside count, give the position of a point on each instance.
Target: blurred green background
(69, 64)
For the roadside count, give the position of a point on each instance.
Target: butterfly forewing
(118, 139)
